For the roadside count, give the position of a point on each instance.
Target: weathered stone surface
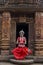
(5, 63)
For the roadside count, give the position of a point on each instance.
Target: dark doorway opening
(25, 28)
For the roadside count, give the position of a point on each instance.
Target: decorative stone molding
(6, 26)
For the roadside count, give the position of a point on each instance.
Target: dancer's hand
(21, 45)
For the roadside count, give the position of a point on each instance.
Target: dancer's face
(21, 34)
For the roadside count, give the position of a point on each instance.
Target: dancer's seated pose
(21, 51)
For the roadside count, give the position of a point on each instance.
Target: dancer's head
(21, 33)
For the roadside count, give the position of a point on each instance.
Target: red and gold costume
(21, 51)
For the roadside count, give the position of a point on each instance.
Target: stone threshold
(35, 58)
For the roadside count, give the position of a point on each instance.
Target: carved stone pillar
(0, 31)
(5, 33)
(37, 25)
(13, 34)
(39, 33)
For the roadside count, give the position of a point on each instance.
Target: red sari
(21, 51)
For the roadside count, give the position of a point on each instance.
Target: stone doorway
(24, 27)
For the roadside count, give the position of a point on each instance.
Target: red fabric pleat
(21, 52)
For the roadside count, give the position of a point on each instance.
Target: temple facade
(21, 14)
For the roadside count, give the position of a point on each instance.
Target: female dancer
(21, 51)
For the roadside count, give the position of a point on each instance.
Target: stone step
(25, 61)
